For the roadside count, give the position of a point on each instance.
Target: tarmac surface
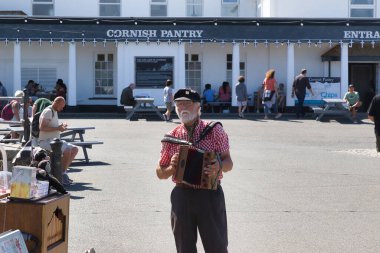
(296, 186)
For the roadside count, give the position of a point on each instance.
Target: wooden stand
(46, 219)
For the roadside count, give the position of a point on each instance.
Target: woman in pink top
(225, 95)
(270, 94)
(225, 92)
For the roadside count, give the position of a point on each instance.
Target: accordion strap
(175, 140)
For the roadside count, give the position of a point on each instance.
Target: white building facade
(98, 47)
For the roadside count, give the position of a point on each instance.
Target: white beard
(186, 116)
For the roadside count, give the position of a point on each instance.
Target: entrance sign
(152, 72)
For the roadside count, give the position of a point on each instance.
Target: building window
(109, 8)
(229, 69)
(158, 8)
(104, 75)
(230, 8)
(45, 77)
(362, 8)
(193, 68)
(43, 8)
(194, 8)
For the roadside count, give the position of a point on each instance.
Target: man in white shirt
(50, 128)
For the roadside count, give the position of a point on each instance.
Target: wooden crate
(46, 219)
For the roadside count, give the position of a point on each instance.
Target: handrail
(11, 98)
(5, 159)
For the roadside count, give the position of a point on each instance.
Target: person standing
(241, 95)
(50, 128)
(168, 99)
(301, 82)
(374, 116)
(270, 94)
(353, 101)
(193, 208)
(127, 97)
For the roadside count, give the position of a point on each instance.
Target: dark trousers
(299, 109)
(204, 210)
(377, 142)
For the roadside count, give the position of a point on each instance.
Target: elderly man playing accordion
(197, 200)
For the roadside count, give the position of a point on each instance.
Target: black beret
(187, 94)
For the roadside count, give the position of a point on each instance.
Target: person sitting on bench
(353, 101)
(50, 128)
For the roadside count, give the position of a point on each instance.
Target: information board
(323, 87)
(152, 72)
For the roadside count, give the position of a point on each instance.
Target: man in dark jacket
(127, 95)
(301, 82)
(374, 115)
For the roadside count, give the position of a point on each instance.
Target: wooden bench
(85, 145)
(219, 104)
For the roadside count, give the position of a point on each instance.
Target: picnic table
(332, 106)
(75, 136)
(142, 105)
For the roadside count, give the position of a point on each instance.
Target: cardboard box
(23, 182)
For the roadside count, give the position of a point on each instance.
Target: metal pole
(26, 123)
(56, 166)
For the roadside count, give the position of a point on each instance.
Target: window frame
(371, 7)
(33, 72)
(193, 82)
(164, 3)
(109, 4)
(225, 5)
(51, 2)
(106, 60)
(192, 5)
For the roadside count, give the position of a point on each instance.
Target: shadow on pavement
(83, 163)
(76, 187)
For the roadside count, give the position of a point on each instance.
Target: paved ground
(296, 186)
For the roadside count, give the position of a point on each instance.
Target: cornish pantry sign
(167, 34)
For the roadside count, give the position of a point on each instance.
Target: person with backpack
(194, 208)
(38, 106)
(49, 129)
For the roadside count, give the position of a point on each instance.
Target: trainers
(164, 116)
(66, 180)
(278, 115)
(266, 117)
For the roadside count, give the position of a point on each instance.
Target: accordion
(190, 166)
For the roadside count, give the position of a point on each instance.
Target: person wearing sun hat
(193, 208)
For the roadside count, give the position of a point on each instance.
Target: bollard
(56, 166)
(26, 122)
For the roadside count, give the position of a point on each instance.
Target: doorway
(363, 76)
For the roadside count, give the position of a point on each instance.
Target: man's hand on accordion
(173, 164)
(166, 172)
(212, 169)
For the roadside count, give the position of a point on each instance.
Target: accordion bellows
(190, 168)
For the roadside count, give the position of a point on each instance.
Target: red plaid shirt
(216, 141)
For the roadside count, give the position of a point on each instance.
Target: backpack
(6, 112)
(36, 124)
